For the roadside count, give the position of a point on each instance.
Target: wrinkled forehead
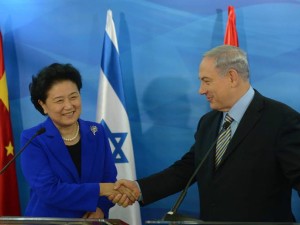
(207, 63)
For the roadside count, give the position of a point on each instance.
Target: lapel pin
(94, 129)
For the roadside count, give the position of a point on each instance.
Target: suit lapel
(213, 135)
(59, 149)
(250, 118)
(88, 148)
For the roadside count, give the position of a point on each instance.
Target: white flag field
(111, 112)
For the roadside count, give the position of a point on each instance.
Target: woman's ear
(43, 105)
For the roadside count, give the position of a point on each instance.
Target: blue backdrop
(161, 43)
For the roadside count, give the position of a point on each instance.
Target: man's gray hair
(229, 57)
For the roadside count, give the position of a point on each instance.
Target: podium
(14, 220)
(74, 221)
(179, 219)
(199, 222)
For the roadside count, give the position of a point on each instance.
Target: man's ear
(234, 77)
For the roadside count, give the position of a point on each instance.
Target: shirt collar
(240, 107)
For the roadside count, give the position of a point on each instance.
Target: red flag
(231, 36)
(9, 195)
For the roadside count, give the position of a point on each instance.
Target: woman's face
(63, 104)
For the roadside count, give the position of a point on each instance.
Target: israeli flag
(111, 112)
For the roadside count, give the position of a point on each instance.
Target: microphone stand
(40, 131)
(172, 215)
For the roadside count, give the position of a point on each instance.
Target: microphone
(172, 215)
(39, 132)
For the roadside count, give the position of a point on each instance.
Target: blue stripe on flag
(110, 64)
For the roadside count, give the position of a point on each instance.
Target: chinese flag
(9, 195)
(231, 36)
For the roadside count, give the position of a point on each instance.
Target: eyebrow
(73, 93)
(58, 97)
(205, 78)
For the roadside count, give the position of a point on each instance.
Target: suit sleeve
(168, 181)
(289, 148)
(171, 180)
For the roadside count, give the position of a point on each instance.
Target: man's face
(216, 87)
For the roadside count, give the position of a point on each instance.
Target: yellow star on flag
(3, 91)
(9, 149)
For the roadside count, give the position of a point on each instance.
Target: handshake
(123, 192)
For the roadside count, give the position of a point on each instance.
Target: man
(249, 179)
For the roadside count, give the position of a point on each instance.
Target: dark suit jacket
(56, 188)
(256, 175)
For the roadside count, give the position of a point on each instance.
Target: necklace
(72, 138)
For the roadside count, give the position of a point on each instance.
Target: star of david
(117, 140)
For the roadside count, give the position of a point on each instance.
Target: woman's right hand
(123, 195)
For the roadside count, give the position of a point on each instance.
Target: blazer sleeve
(48, 186)
(109, 176)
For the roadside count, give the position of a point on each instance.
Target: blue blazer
(56, 189)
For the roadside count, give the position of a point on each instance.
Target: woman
(69, 167)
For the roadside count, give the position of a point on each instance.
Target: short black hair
(47, 77)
